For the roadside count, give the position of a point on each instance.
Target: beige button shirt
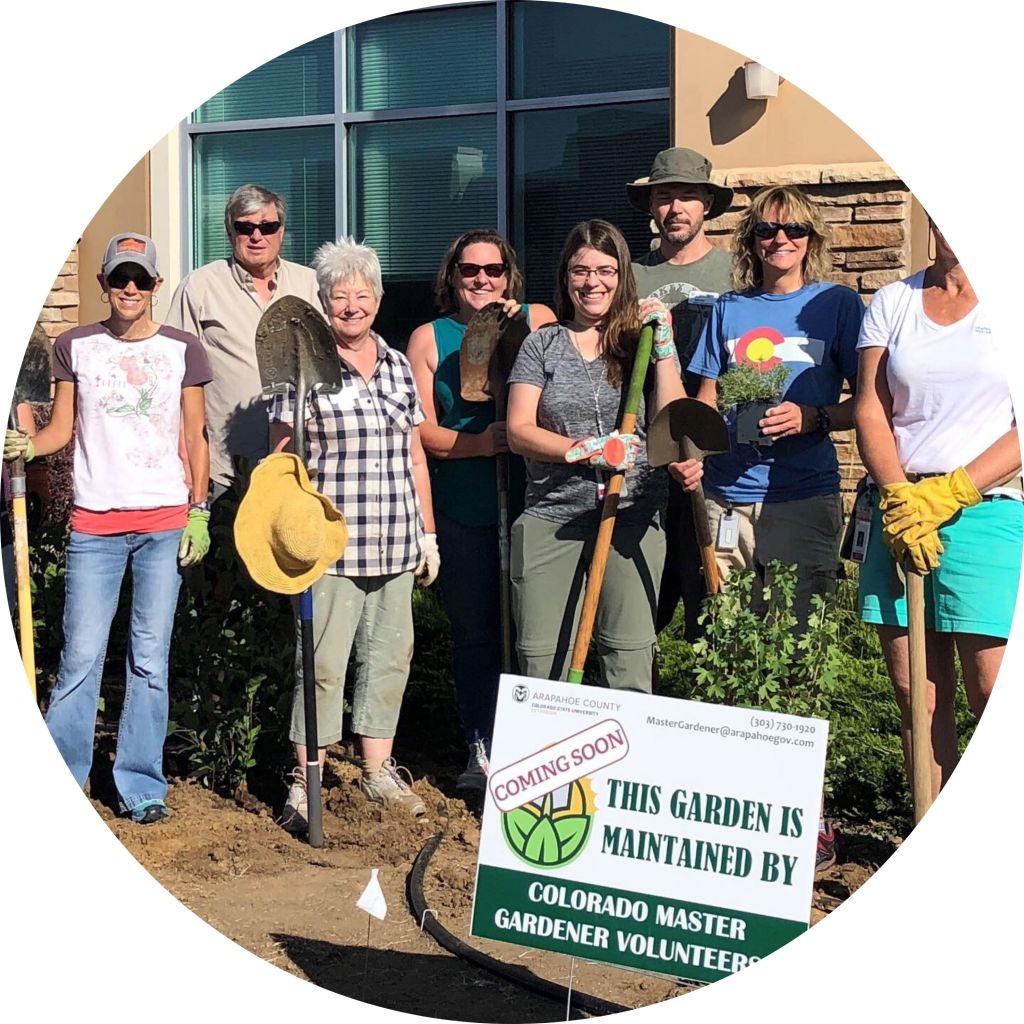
(220, 304)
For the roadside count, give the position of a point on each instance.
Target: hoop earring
(105, 297)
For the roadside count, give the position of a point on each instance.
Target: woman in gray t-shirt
(567, 395)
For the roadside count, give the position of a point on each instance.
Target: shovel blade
(293, 343)
(512, 332)
(685, 418)
(33, 384)
(478, 345)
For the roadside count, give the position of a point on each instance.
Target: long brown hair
(620, 331)
(444, 287)
(793, 205)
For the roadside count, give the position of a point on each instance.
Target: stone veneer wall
(60, 311)
(868, 209)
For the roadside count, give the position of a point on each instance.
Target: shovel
(599, 560)
(295, 349)
(33, 388)
(688, 429)
(920, 727)
(489, 349)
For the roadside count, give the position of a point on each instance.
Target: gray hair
(249, 199)
(344, 260)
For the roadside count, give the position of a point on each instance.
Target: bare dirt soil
(295, 906)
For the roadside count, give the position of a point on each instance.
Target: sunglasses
(769, 229)
(120, 276)
(492, 270)
(266, 227)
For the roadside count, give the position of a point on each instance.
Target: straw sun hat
(286, 533)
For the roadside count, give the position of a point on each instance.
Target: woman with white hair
(365, 455)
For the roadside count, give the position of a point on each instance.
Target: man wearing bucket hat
(686, 273)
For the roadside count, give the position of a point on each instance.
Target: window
(406, 131)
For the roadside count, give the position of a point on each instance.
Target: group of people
(409, 462)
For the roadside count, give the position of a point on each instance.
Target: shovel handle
(712, 581)
(599, 560)
(314, 807)
(920, 720)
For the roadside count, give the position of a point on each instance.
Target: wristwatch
(203, 506)
(824, 420)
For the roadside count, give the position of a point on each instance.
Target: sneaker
(473, 781)
(149, 812)
(388, 787)
(295, 816)
(826, 849)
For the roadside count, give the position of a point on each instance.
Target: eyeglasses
(266, 227)
(120, 276)
(769, 229)
(603, 273)
(492, 270)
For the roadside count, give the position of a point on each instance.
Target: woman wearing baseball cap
(125, 387)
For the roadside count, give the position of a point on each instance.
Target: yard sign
(652, 833)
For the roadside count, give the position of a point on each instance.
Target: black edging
(514, 973)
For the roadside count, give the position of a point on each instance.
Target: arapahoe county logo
(546, 801)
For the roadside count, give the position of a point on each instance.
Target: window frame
(342, 119)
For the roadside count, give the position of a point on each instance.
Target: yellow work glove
(923, 553)
(928, 504)
(17, 444)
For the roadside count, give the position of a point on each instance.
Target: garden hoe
(688, 429)
(295, 349)
(488, 352)
(920, 727)
(32, 388)
(599, 560)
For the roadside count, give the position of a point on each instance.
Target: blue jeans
(95, 569)
(468, 581)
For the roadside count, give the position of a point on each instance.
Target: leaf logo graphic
(555, 832)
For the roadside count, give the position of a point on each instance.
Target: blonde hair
(792, 206)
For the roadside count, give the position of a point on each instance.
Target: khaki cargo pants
(549, 571)
(805, 533)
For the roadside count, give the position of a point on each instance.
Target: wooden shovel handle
(920, 723)
(712, 581)
(599, 560)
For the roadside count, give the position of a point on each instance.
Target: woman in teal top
(462, 439)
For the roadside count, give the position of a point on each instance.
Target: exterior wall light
(761, 83)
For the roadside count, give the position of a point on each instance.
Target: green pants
(549, 569)
(370, 616)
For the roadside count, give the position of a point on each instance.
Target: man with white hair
(222, 303)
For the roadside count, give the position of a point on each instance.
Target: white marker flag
(372, 900)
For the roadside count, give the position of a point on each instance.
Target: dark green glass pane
(298, 83)
(297, 163)
(423, 59)
(415, 186)
(571, 165)
(568, 50)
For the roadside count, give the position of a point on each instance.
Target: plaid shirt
(360, 447)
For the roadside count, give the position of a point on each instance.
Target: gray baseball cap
(684, 167)
(131, 247)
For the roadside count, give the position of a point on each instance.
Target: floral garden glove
(928, 504)
(613, 451)
(654, 312)
(195, 539)
(430, 563)
(17, 444)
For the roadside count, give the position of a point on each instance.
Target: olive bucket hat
(684, 167)
(287, 534)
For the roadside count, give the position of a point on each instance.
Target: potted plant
(752, 391)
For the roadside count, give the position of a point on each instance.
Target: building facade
(517, 114)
